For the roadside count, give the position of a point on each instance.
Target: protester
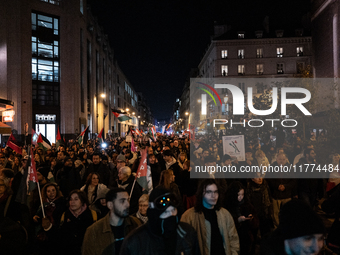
(74, 222)
(94, 190)
(301, 231)
(163, 233)
(214, 225)
(143, 204)
(106, 235)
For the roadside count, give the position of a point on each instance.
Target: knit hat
(298, 219)
(44, 171)
(121, 157)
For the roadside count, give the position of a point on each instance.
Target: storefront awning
(5, 129)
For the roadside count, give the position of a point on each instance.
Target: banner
(234, 146)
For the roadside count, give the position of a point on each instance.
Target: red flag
(143, 175)
(12, 144)
(133, 147)
(100, 136)
(58, 139)
(32, 174)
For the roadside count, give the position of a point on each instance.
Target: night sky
(157, 42)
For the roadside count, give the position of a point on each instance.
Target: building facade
(57, 67)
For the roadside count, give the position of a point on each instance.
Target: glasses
(164, 201)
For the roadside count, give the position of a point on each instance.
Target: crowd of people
(89, 203)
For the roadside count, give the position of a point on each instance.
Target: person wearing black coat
(74, 222)
(68, 177)
(163, 233)
(126, 180)
(99, 167)
(332, 205)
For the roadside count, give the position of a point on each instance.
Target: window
(45, 60)
(56, 2)
(224, 70)
(224, 54)
(82, 6)
(240, 53)
(279, 68)
(259, 53)
(299, 51)
(242, 86)
(299, 67)
(279, 52)
(259, 34)
(240, 70)
(259, 69)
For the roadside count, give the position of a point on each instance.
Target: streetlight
(186, 113)
(226, 99)
(138, 117)
(127, 109)
(102, 95)
(199, 100)
(133, 113)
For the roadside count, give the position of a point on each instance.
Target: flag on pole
(100, 136)
(32, 177)
(12, 143)
(133, 147)
(169, 125)
(82, 138)
(121, 117)
(163, 129)
(58, 139)
(152, 134)
(43, 142)
(143, 175)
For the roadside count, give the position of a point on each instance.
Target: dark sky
(157, 42)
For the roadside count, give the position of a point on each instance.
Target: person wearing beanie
(215, 226)
(163, 233)
(301, 231)
(171, 163)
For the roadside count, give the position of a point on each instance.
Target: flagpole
(41, 202)
(133, 185)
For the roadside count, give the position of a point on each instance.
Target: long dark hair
(231, 200)
(200, 194)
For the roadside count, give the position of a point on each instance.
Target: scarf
(83, 208)
(141, 217)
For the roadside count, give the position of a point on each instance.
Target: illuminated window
(259, 53)
(279, 52)
(224, 54)
(240, 70)
(299, 51)
(240, 53)
(259, 69)
(224, 70)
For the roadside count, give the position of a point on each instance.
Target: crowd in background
(245, 216)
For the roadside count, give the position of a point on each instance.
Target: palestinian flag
(58, 139)
(152, 134)
(121, 117)
(12, 143)
(100, 136)
(32, 177)
(43, 142)
(143, 174)
(82, 138)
